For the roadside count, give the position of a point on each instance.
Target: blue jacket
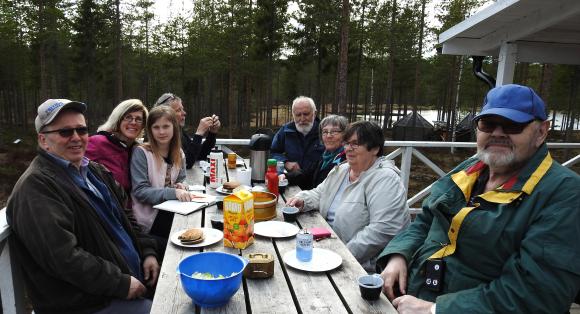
(291, 145)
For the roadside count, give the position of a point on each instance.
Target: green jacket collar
(524, 182)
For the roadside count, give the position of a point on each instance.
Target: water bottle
(215, 167)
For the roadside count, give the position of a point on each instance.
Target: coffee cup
(290, 213)
(217, 222)
(370, 286)
(282, 184)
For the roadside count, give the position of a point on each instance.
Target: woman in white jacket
(363, 199)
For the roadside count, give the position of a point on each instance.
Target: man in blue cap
(499, 233)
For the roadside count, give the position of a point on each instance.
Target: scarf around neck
(329, 157)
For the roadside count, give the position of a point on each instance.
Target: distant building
(413, 127)
(465, 130)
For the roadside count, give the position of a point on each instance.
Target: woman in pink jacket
(113, 143)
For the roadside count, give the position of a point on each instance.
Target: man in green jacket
(79, 250)
(500, 232)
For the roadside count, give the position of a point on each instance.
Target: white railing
(11, 285)
(407, 149)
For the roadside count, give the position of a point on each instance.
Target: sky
(165, 8)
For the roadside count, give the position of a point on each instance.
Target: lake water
(431, 116)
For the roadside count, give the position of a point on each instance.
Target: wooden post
(406, 166)
(507, 60)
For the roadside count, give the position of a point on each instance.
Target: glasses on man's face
(130, 118)
(166, 98)
(488, 126)
(68, 132)
(331, 132)
(353, 144)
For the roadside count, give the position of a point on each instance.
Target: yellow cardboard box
(239, 219)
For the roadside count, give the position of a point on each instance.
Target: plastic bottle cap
(272, 162)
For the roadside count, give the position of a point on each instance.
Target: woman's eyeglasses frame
(331, 132)
(129, 118)
(353, 145)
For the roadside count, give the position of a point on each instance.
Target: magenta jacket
(113, 154)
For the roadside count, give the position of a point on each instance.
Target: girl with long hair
(158, 173)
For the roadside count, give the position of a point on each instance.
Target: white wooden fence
(11, 285)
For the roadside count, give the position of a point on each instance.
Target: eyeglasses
(166, 98)
(331, 133)
(488, 126)
(353, 145)
(68, 132)
(129, 119)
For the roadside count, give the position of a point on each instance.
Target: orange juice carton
(239, 219)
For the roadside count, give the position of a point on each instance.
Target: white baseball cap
(49, 109)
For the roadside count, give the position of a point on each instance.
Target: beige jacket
(373, 209)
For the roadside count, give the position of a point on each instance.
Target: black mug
(290, 213)
(370, 286)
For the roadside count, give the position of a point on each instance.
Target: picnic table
(288, 291)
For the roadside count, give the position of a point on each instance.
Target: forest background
(244, 60)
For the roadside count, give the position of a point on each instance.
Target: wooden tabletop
(288, 291)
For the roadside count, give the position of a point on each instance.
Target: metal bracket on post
(480, 74)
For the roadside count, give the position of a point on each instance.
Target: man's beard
(304, 129)
(497, 159)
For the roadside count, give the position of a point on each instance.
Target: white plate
(211, 236)
(275, 229)
(322, 260)
(220, 190)
(196, 187)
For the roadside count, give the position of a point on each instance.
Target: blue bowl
(212, 292)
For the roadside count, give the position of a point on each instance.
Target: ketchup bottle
(272, 177)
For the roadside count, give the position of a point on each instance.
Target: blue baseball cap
(514, 102)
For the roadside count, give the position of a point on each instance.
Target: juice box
(239, 219)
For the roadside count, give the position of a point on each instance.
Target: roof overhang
(545, 31)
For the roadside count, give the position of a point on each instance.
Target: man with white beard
(297, 143)
(498, 233)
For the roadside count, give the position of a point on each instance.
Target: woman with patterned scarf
(331, 132)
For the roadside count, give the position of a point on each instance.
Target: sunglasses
(165, 99)
(488, 126)
(68, 132)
